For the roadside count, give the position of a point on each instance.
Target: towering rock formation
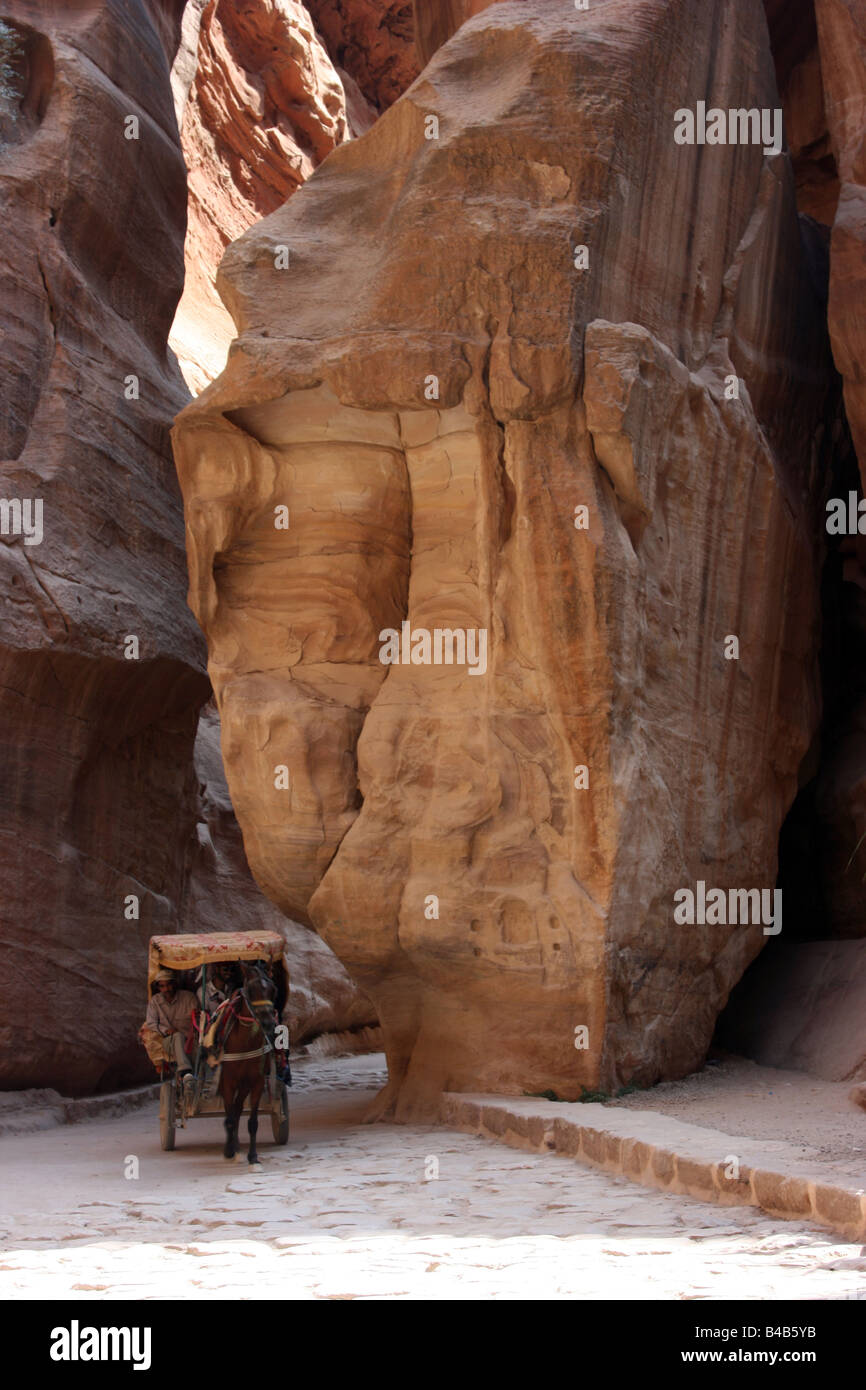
(222, 896)
(518, 297)
(102, 664)
(841, 796)
(842, 41)
(259, 105)
(116, 821)
(820, 50)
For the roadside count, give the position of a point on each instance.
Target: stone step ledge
(29, 1112)
(662, 1152)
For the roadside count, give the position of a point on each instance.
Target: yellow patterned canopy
(186, 952)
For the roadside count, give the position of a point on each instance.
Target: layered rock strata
(819, 51)
(425, 398)
(102, 664)
(437, 20)
(260, 105)
(842, 42)
(221, 896)
(373, 41)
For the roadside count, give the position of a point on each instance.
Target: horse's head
(260, 994)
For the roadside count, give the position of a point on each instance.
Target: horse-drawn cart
(262, 987)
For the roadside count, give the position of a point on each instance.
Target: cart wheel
(280, 1115)
(167, 1113)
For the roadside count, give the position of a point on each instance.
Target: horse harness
(222, 1022)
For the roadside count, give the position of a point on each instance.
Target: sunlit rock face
(414, 414)
(221, 896)
(259, 105)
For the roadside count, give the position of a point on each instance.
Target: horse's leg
(234, 1126)
(232, 1121)
(230, 1145)
(255, 1097)
(234, 1111)
(252, 1155)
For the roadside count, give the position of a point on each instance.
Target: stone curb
(28, 1112)
(662, 1152)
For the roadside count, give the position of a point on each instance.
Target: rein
(234, 1012)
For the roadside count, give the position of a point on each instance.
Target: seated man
(169, 1014)
(217, 989)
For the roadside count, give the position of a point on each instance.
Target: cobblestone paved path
(374, 1211)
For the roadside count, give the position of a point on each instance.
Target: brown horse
(244, 1046)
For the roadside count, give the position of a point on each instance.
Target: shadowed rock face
(801, 1007)
(437, 20)
(820, 53)
(842, 42)
(372, 40)
(432, 388)
(99, 793)
(794, 41)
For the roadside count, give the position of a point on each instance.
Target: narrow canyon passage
(356, 1211)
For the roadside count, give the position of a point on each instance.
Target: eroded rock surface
(819, 50)
(842, 40)
(432, 829)
(261, 108)
(794, 42)
(802, 1007)
(437, 20)
(222, 896)
(99, 793)
(373, 41)
(114, 805)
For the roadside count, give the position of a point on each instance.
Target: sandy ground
(358, 1211)
(738, 1097)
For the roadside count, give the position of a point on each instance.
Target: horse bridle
(253, 1005)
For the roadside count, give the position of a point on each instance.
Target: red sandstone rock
(794, 39)
(447, 265)
(842, 38)
(222, 895)
(264, 108)
(373, 40)
(437, 20)
(101, 798)
(99, 795)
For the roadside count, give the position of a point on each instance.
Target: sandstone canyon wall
(842, 44)
(259, 105)
(437, 20)
(518, 296)
(113, 798)
(221, 896)
(841, 31)
(99, 793)
(373, 41)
